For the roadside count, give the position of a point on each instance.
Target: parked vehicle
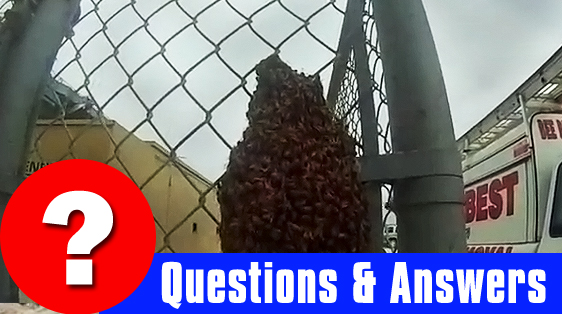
(390, 236)
(512, 169)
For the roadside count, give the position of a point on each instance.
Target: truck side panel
(495, 207)
(546, 129)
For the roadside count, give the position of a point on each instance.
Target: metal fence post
(368, 122)
(353, 39)
(28, 61)
(429, 206)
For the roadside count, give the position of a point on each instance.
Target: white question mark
(98, 222)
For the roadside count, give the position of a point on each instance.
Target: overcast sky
(486, 47)
(179, 113)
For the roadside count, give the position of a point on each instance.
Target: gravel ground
(27, 306)
(31, 308)
(16, 308)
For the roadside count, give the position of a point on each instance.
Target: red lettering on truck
(523, 148)
(486, 202)
(547, 129)
(559, 124)
(490, 249)
(495, 209)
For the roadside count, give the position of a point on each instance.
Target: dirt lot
(26, 307)
(15, 308)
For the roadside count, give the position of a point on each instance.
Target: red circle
(35, 253)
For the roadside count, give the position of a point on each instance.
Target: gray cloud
(488, 48)
(182, 110)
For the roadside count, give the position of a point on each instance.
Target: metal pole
(28, 62)
(8, 289)
(342, 54)
(429, 207)
(369, 129)
(353, 39)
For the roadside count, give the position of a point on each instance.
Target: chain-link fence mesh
(159, 90)
(347, 105)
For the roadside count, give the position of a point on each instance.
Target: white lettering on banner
(400, 286)
(471, 284)
(461, 285)
(330, 295)
(495, 281)
(285, 286)
(516, 276)
(255, 272)
(539, 293)
(423, 289)
(268, 298)
(219, 290)
(216, 282)
(364, 283)
(307, 278)
(238, 295)
(447, 295)
(194, 290)
(171, 275)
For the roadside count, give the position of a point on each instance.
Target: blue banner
(301, 283)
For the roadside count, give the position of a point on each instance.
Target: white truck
(512, 169)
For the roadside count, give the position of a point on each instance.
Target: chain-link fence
(159, 90)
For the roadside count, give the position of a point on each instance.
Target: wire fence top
(180, 73)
